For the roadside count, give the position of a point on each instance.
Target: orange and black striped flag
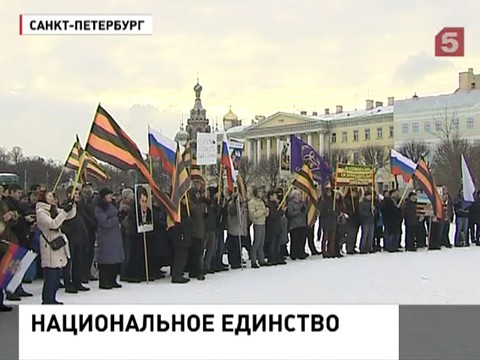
(108, 142)
(93, 168)
(196, 172)
(312, 213)
(241, 187)
(180, 179)
(425, 180)
(304, 182)
(187, 155)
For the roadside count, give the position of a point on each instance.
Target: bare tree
(16, 155)
(446, 126)
(473, 161)
(447, 161)
(375, 155)
(269, 171)
(336, 156)
(247, 171)
(414, 150)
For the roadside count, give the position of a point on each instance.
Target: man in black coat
(474, 220)
(76, 232)
(86, 209)
(273, 229)
(392, 219)
(411, 222)
(180, 239)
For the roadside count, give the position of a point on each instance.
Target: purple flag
(301, 153)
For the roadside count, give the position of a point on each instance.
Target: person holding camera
(54, 249)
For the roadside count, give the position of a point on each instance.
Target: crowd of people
(98, 230)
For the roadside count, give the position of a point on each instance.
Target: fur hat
(104, 192)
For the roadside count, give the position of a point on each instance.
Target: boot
(103, 277)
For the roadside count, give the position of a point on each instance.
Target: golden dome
(230, 115)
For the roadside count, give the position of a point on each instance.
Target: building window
(455, 123)
(334, 138)
(390, 135)
(344, 136)
(415, 128)
(355, 135)
(379, 133)
(405, 129)
(438, 126)
(356, 157)
(427, 127)
(470, 123)
(367, 134)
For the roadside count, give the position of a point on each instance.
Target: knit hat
(104, 192)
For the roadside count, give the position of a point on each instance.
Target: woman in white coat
(49, 221)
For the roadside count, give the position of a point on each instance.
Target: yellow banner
(354, 175)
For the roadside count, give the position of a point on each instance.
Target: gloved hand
(68, 206)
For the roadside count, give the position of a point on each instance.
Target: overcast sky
(266, 56)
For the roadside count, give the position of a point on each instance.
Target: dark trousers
(219, 247)
(180, 257)
(444, 234)
(474, 231)
(134, 266)
(107, 274)
(311, 240)
(89, 254)
(51, 283)
(328, 242)
(297, 243)
(411, 236)
(434, 236)
(74, 270)
(273, 237)
(352, 234)
(319, 230)
(195, 258)
(234, 251)
(422, 234)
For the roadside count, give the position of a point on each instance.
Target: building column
(321, 143)
(269, 147)
(251, 149)
(309, 139)
(259, 150)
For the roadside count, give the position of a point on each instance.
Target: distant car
(9, 178)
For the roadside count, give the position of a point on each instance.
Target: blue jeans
(391, 240)
(366, 241)
(461, 224)
(51, 283)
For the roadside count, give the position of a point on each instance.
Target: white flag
(467, 182)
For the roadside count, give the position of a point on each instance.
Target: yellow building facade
(342, 131)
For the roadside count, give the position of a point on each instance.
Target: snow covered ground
(449, 276)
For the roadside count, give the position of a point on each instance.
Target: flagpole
(146, 255)
(58, 179)
(285, 196)
(405, 192)
(334, 187)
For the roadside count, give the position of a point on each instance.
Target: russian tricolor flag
(163, 148)
(401, 165)
(227, 163)
(14, 263)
